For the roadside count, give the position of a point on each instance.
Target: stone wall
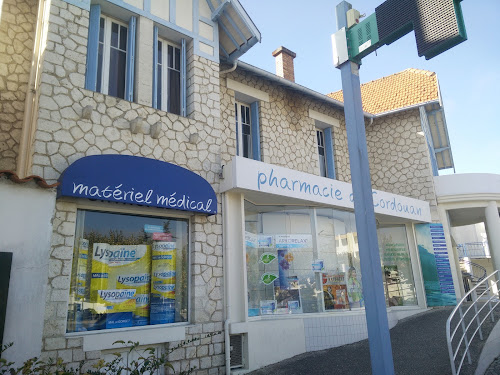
(73, 123)
(17, 33)
(288, 134)
(399, 156)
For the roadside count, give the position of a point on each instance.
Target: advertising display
(120, 277)
(335, 291)
(81, 269)
(354, 289)
(399, 286)
(163, 283)
(128, 271)
(131, 269)
(100, 270)
(436, 270)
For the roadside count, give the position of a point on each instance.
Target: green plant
(147, 362)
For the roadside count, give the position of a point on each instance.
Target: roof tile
(400, 90)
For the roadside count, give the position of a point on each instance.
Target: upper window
(326, 159)
(168, 77)
(128, 270)
(321, 152)
(243, 130)
(112, 57)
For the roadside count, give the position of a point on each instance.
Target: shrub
(147, 362)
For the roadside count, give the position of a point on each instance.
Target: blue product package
(139, 320)
(119, 320)
(162, 310)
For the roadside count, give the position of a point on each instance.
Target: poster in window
(435, 263)
(354, 289)
(335, 291)
(288, 300)
(393, 288)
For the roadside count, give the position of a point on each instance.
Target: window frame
(108, 207)
(92, 59)
(239, 129)
(106, 55)
(163, 81)
(328, 147)
(320, 135)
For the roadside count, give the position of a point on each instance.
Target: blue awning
(137, 180)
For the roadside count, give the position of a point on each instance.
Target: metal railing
(475, 271)
(470, 321)
(472, 250)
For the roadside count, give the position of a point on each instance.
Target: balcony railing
(472, 250)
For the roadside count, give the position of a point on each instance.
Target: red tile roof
(400, 90)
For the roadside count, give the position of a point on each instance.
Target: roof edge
(413, 106)
(292, 85)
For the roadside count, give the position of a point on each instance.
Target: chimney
(284, 63)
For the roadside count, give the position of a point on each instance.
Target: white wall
(467, 184)
(25, 230)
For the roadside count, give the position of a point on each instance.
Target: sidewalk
(418, 346)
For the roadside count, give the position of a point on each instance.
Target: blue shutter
(183, 78)
(129, 75)
(92, 48)
(155, 68)
(330, 160)
(255, 128)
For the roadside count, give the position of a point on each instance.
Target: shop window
(287, 273)
(306, 260)
(247, 130)
(110, 55)
(169, 75)
(128, 270)
(399, 287)
(326, 157)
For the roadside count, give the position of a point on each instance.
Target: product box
(100, 270)
(163, 269)
(119, 320)
(116, 300)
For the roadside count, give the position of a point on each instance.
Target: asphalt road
(418, 346)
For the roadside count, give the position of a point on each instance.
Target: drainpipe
(227, 305)
(231, 69)
(25, 154)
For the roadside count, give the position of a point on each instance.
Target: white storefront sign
(247, 174)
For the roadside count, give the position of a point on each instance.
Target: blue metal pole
(373, 290)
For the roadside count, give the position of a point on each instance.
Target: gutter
(404, 109)
(293, 86)
(316, 95)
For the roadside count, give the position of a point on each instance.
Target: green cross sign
(438, 26)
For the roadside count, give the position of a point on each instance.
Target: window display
(306, 260)
(399, 286)
(127, 271)
(300, 260)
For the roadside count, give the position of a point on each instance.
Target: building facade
(184, 193)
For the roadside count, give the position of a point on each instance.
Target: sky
(468, 74)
